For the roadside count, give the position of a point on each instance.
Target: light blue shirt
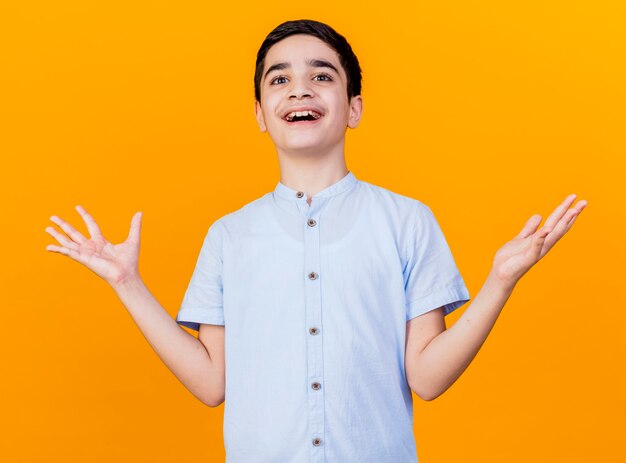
(315, 301)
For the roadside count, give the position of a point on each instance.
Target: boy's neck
(311, 174)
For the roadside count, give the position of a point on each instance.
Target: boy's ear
(356, 110)
(259, 116)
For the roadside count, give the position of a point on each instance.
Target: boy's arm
(186, 356)
(213, 338)
(198, 363)
(431, 370)
(436, 357)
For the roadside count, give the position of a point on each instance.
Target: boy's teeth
(291, 115)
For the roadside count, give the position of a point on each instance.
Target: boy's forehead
(300, 47)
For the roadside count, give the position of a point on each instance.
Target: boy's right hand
(115, 263)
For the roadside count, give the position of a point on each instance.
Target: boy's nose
(300, 90)
(299, 95)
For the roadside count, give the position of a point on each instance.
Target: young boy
(320, 306)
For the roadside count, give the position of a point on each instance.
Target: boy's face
(303, 73)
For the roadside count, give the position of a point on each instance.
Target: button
(316, 386)
(299, 194)
(312, 276)
(317, 442)
(313, 330)
(311, 223)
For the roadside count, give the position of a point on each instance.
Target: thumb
(531, 225)
(135, 228)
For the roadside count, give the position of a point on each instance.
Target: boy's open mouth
(302, 116)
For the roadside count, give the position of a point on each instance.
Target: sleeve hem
(450, 298)
(192, 317)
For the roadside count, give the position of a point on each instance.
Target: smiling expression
(304, 102)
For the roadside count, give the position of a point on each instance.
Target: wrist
(499, 283)
(128, 282)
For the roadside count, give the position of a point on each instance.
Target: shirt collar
(341, 186)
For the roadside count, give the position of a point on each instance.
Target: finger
(92, 226)
(539, 239)
(556, 215)
(530, 226)
(565, 223)
(61, 238)
(135, 228)
(571, 221)
(562, 227)
(65, 251)
(574, 211)
(580, 205)
(67, 228)
(571, 215)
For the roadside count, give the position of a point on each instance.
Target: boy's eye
(324, 77)
(276, 79)
(283, 79)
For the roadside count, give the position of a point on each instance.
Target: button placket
(313, 306)
(303, 205)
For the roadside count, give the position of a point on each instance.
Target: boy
(320, 306)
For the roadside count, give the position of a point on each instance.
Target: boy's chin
(303, 146)
(303, 149)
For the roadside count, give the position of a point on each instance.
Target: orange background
(488, 112)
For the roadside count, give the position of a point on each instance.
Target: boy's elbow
(425, 394)
(214, 402)
(428, 398)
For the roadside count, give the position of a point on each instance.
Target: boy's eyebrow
(321, 63)
(316, 63)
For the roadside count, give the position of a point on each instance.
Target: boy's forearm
(181, 352)
(445, 358)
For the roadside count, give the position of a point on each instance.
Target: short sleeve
(431, 277)
(202, 302)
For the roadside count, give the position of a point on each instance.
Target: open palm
(517, 256)
(113, 262)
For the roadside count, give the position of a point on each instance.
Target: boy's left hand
(517, 256)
